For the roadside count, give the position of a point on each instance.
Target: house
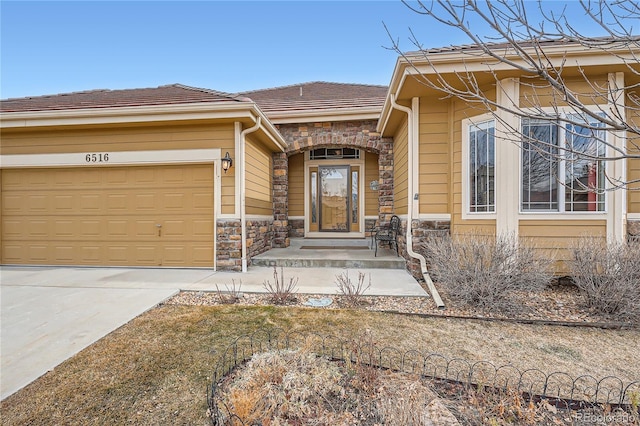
(190, 177)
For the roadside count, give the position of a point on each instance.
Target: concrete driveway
(49, 314)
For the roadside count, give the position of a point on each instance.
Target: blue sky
(56, 47)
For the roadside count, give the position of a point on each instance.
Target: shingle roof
(318, 95)
(163, 95)
(593, 42)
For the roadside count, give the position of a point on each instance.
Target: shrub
(281, 386)
(485, 271)
(352, 292)
(608, 276)
(231, 294)
(280, 291)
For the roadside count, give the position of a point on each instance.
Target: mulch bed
(558, 304)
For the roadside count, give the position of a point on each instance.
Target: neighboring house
(134, 177)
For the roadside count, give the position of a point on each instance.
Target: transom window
(334, 153)
(482, 167)
(562, 166)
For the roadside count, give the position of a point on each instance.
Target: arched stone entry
(302, 137)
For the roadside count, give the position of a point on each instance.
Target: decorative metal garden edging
(558, 388)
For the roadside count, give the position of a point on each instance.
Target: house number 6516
(97, 158)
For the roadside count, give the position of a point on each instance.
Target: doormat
(334, 248)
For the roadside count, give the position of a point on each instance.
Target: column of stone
(385, 181)
(280, 200)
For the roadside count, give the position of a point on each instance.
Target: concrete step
(329, 263)
(330, 253)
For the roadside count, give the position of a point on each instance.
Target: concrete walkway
(49, 314)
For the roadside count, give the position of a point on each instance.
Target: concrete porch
(330, 253)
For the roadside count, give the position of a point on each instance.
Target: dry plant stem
(352, 292)
(608, 275)
(231, 294)
(280, 291)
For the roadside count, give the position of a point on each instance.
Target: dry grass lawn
(156, 369)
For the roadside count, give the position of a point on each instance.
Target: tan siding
(258, 163)
(400, 167)
(258, 207)
(118, 139)
(633, 165)
(555, 237)
(1, 220)
(462, 111)
(130, 138)
(371, 173)
(535, 92)
(633, 173)
(296, 185)
(435, 156)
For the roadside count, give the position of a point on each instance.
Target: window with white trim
(482, 159)
(562, 166)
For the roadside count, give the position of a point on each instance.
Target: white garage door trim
(111, 158)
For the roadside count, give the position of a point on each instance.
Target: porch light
(226, 162)
(374, 185)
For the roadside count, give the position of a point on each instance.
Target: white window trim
(467, 214)
(562, 214)
(508, 214)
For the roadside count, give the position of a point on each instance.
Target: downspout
(243, 175)
(411, 141)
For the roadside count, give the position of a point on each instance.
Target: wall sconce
(226, 162)
(374, 185)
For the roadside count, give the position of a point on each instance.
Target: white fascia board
(397, 80)
(334, 114)
(269, 129)
(385, 116)
(476, 61)
(130, 114)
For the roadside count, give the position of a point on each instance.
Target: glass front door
(334, 198)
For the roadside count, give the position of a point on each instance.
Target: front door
(334, 198)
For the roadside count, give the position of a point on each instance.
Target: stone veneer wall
(385, 181)
(280, 200)
(259, 237)
(229, 247)
(361, 134)
(296, 228)
(633, 230)
(420, 230)
(229, 250)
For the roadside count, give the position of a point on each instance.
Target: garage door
(124, 216)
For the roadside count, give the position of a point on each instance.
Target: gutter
(411, 144)
(243, 212)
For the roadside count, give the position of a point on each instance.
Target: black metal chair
(388, 234)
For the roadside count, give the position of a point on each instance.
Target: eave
(571, 58)
(323, 115)
(244, 112)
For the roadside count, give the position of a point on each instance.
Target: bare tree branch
(503, 35)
